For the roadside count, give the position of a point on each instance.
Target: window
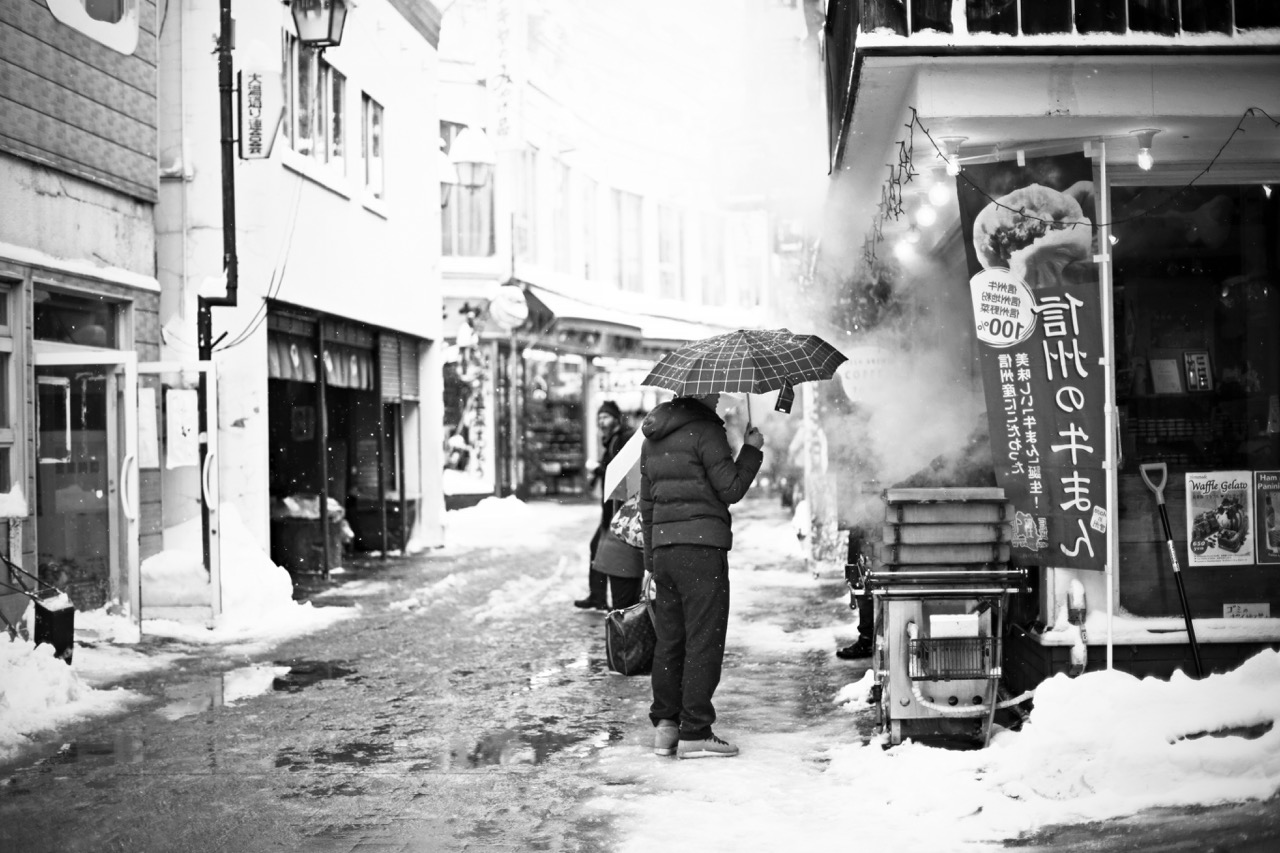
(560, 215)
(587, 210)
(670, 253)
(371, 146)
(6, 385)
(113, 23)
(630, 241)
(525, 230)
(68, 318)
(467, 226)
(315, 99)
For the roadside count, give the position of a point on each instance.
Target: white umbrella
(622, 474)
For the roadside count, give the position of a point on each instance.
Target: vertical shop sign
(1038, 317)
(1219, 513)
(1266, 505)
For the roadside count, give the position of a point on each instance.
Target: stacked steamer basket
(941, 580)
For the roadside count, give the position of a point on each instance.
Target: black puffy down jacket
(688, 477)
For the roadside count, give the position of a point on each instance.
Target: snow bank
(38, 693)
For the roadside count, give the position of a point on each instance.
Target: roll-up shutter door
(389, 358)
(399, 360)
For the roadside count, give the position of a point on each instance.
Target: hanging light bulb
(913, 235)
(939, 194)
(1145, 160)
(904, 250)
(951, 153)
(1266, 190)
(926, 215)
(1113, 239)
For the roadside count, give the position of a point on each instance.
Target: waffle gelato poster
(1219, 514)
(1037, 312)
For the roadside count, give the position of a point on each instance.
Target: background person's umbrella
(622, 474)
(747, 361)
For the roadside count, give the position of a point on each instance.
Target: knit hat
(608, 407)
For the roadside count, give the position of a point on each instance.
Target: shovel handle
(1155, 467)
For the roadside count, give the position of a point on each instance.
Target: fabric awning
(668, 331)
(574, 314)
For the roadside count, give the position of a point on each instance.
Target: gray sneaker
(665, 737)
(712, 747)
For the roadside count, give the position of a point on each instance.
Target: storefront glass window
(70, 319)
(1197, 303)
(555, 457)
(1198, 359)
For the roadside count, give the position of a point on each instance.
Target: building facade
(78, 292)
(327, 366)
(1118, 158)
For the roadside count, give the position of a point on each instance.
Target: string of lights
(1169, 199)
(892, 194)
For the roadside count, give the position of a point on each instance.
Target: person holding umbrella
(688, 480)
(613, 435)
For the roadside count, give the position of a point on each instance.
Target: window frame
(325, 112)
(369, 107)
(456, 232)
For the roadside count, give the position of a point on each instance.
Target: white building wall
(306, 235)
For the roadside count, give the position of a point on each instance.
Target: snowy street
(458, 701)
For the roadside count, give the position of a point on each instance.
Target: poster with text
(1266, 504)
(1029, 239)
(1220, 518)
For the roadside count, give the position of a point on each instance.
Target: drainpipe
(230, 265)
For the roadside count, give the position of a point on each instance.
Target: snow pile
(503, 523)
(38, 692)
(257, 595)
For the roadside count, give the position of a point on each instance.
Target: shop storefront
(344, 408)
(1082, 303)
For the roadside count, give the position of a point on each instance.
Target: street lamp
(448, 174)
(320, 22)
(472, 153)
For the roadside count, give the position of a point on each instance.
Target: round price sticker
(1002, 305)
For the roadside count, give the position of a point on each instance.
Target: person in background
(688, 480)
(613, 434)
(855, 569)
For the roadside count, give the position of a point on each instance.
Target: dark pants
(625, 591)
(598, 582)
(691, 618)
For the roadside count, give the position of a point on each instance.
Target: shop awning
(668, 331)
(571, 314)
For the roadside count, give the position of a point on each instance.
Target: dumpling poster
(1030, 240)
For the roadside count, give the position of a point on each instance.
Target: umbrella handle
(748, 411)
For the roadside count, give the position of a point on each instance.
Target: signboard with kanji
(1038, 319)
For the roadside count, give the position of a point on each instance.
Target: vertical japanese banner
(1038, 316)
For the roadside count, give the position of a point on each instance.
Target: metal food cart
(940, 581)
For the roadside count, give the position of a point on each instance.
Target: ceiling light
(926, 215)
(1266, 190)
(939, 194)
(951, 153)
(913, 235)
(1145, 160)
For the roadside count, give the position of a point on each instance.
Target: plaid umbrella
(747, 361)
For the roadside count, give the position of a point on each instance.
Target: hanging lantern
(320, 22)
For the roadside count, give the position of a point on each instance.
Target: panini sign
(261, 108)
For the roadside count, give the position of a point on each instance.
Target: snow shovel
(55, 615)
(1158, 489)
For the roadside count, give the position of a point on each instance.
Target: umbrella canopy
(746, 361)
(622, 474)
